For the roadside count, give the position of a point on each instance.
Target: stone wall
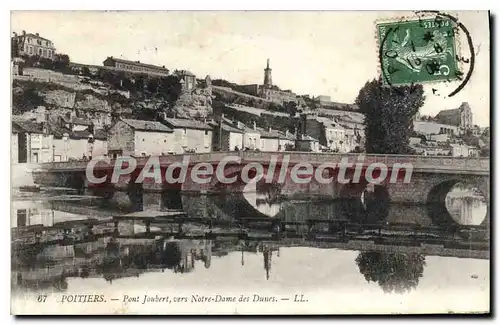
(121, 137)
(60, 98)
(195, 103)
(92, 103)
(153, 143)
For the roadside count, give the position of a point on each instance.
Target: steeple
(268, 80)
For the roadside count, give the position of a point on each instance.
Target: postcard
(250, 162)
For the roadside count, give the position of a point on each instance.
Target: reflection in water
(263, 201)
(101, 254)
(466, 205)
(394, 272)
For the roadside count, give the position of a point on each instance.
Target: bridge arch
(436, 200)
(364, 203)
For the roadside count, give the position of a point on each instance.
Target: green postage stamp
(418, 50)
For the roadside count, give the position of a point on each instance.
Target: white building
(190, 135)
(140, 138)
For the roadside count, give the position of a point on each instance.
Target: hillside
(136, 96)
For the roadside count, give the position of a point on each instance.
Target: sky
(317, 53)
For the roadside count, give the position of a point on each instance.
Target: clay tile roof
(186, 73)
(226, 127)
(84, 134)
(28, 126)
(81, 121)
(269, 133)
(100, 134)
(187, 124)
(151, 126)
(306, 137)
(139, 63)
(36, 36)
(230, 128)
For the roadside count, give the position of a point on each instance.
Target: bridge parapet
(479, 166)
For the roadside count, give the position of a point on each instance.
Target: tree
(61, 63)
(26, 100)
(389, 113)
(394, 272)
(169, 89)
(291, 108)
(14, 47)
(485, 152)
(469, 139)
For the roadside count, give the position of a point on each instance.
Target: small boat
(30, 188)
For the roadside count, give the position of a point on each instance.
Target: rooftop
(150, 126)
(34, 36)
(186, 73)
(27, 126)
(77, 120)
(187, 124)
(226, 126)
(305, 137)
(137, 63)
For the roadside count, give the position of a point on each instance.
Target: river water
(336, 280)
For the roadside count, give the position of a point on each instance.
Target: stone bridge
(427, 181)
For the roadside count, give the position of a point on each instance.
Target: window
(164, 141)
(40, 52)
(206, 132)
(142, 139)
(39, 42)
(184, 131)
(21, 217)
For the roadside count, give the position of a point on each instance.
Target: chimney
(24, 32)
(286, 133)
(254, 125)
(270, 129)
(37, 34)
(222, 115)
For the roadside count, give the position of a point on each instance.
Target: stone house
(140, 138)
(34, 143)
(307, 143)
(443, 137)
(329, 133)
(428, 128)
(463, 150)
(14, 144)
(226, 137)
(190, 135)
(76, 138)
(251, 136)
(33, 44)
(274, 140)
(187, 79)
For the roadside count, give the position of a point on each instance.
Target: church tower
(268, 80)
